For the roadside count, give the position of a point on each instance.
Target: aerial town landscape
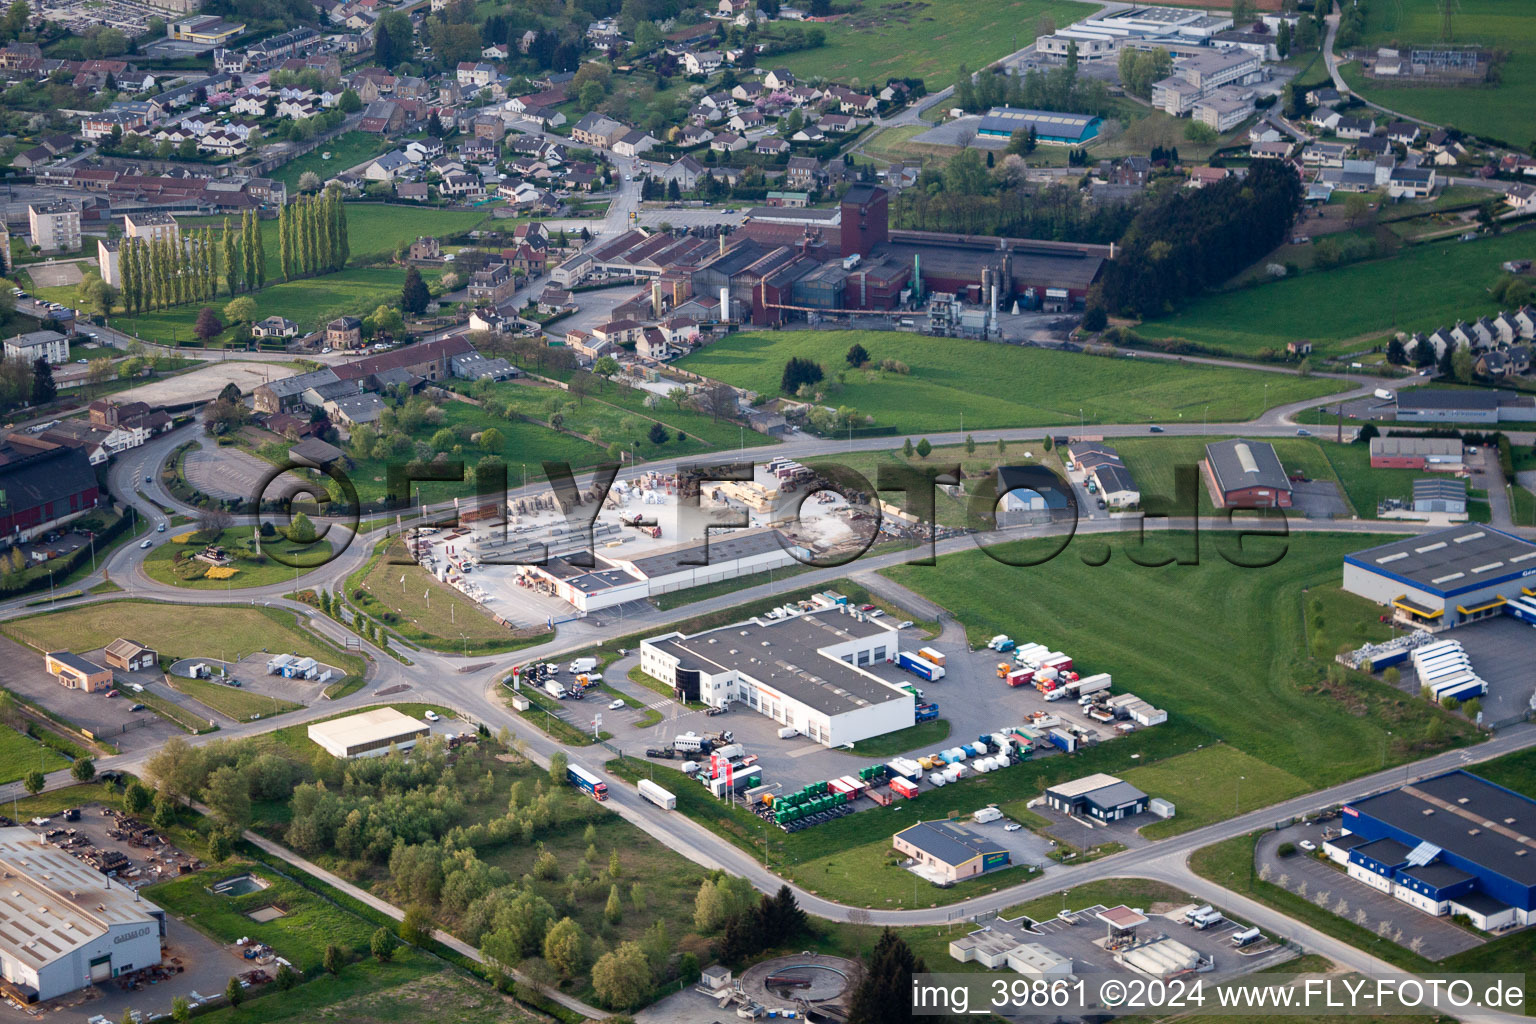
(680, 512)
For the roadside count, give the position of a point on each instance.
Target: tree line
(1059, 89)
(187, 267)
(312, 235)
(1191, 239)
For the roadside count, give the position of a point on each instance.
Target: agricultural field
(1262, 688)
(20, 754)
(1420, 288)
(956, 384)
(927, 39)
(1497, 112)
(347, 150)
(222, 632)
(1212, 784)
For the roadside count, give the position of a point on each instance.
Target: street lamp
(1237, 789)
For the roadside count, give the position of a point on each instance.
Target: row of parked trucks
(1444, 670)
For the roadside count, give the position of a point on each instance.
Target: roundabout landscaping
(193, 561)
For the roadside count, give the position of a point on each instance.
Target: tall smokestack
(722, 243)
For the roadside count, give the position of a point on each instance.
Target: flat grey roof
(791, 662)
(1451, 560)
(1471, 817)
(720, 548)
(76, 662)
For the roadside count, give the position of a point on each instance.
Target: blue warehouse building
(1448, 577)
(1451, 844)
(1050, 127)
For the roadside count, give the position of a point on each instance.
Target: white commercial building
(809, 672)
(64, 925)
(369, 733)
(1177, 30)
(1197, 77)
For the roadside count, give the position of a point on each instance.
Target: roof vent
(1461, 799)
(1521, 853)
(1474, 831)
(1509, 821)
(1428, 811)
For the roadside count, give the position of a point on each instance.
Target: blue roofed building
(1050, 127)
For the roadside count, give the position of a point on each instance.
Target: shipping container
(932, 655)
(658, 796)
(903, 788)
(1064, 740)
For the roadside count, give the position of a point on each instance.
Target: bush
(1287, 850)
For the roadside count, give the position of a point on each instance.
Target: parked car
(137, 707)
(1012, 826)
(431, 716)
(1308, 845)
(615, 705)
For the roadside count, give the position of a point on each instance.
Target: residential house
(633, 143)
(746, 120)
(382, 117)
(344, 333)
(619, 332)
(598, 130)
(779, 78)
(274, 327)
(493, 284)
(1411, 182)
(588, 347)
(727, 142)
(803, 172)
(388, 167)
(554, 300)
(412, 191)
(702, 62)
(475, 75)
(770, 146)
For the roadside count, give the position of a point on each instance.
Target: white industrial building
(369, 733)
(64, 925)
(805, 671)
(1446, 577)
(611, 581)
(1178, 30)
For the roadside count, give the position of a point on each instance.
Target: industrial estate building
(1246, 474)
(947, 853)
(369, 733)
(1439, 495)
(1441, 454)
(1014, 944)
(76, 673)
(1101, 797)
(1451, 844)
(1447, 577)
(1180, 31)
(64, 925)
(1479, 406)
(809, 672)
(1049, 127)
(609, 581)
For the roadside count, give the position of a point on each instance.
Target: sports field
(1500, 112)
(927, 39)
(1421, 288)
(956, 384)
(1221, 648)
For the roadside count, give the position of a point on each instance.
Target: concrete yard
(1501, 650)
(204, 383)
(109, 718)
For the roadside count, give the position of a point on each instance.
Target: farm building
(1444, 578)
(76, 673)
(1245, 474)
(1450, 844)
(368, 733)
(945, 853)
(807, 672)
(64, 925)
(1432, 453)
(1101, 797)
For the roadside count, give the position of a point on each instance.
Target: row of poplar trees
(188, 266)
(191, 267)
(312, 235)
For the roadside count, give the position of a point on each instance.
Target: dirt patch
(55, 275)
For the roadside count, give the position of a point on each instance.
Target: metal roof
(1451, 560)
(1466, 816)
(1240, 463)
(948, 842)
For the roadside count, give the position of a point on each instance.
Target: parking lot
(21, 670)
(1308, 875)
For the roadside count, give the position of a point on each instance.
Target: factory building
(1447, 577)
(369, 733)
(1441, 454)
(64, 925)
(1050, 128)
(808, 672)
(610, 582)
(1482, 407)
(1451, 844)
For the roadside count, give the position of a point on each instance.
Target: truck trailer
(585, 781)
(658, 796)
(921, 667)
(932, 655)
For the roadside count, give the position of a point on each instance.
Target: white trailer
(1092, 684)
(658, 796)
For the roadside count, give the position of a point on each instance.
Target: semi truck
(903, 788)
(658, 796)
(1020, 677)
(1246, 937)
(921, 667)
(690, 743)
(554, 689)
(585, 781)
(926, 712)
(1093, 684)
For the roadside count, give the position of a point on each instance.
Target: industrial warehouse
(787, 264)
(1245, 474)
(1441, 579)
(368, 733)
(65, 925)
(804, 671)
(1451, 844)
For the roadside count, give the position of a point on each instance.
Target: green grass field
(177, 631)
(1501, 112)
(1260, 687)
(922, 736)
(20, 753)
(161, 565)
(233, 702)
(927, 39)
(1212, 784)
(872, 876)
(1364, 484)
(347, 150)
(956, 384)
(1421, 288)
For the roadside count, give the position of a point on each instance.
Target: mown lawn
(1212, 784)
(956, 384)
(177, 631)
(161, 563)
(885, 39)
(347, 150)
(921, 736)
(1421, 288)
(1221, 648)
(872, 876)
(20, 753)
(601, 417)
(1365, 485)
(1501, 112)
(231, 701)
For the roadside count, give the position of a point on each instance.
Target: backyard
(959, 385)
(1420, 288)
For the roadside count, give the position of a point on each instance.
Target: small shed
(715, 977)
(1160, 807)
(130, 656)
